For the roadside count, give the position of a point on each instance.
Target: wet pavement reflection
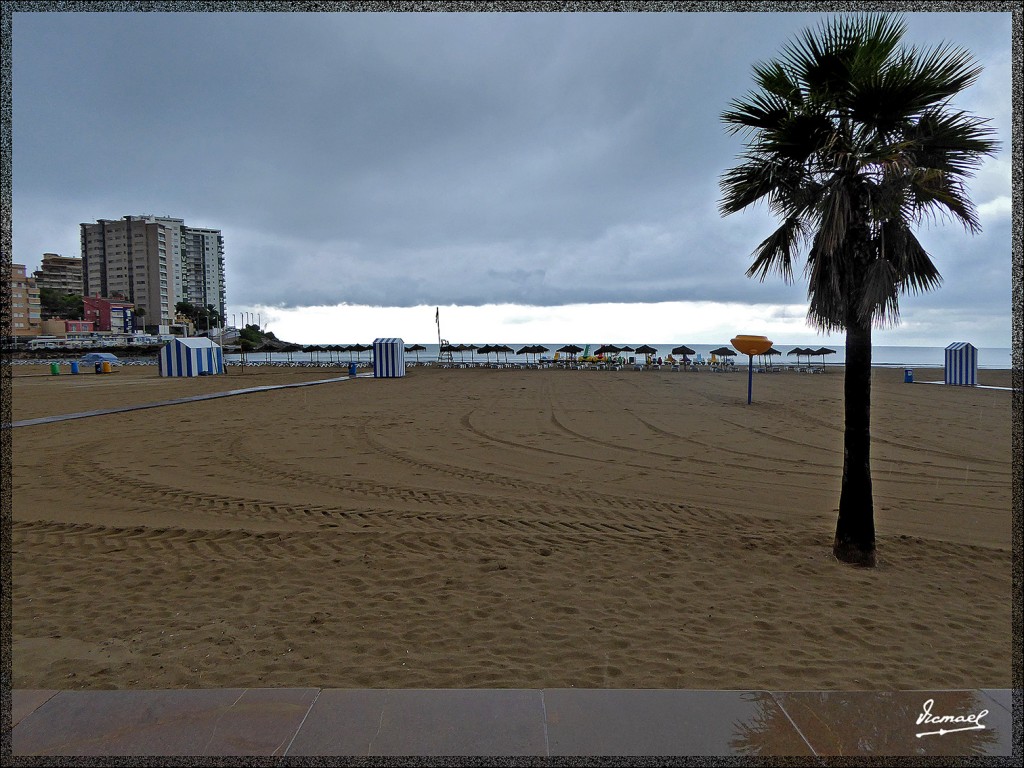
(549, 722)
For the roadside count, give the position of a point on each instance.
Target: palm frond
(913, 268)
(937, 75)
(827, 283)
(761, 176)
(775, 79)
(836, 215)
(758, 111)
(879, 302)
(777, 251)
(944, 195)
(798, 137)
(951, 141)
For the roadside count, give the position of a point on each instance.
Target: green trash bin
(55, 369)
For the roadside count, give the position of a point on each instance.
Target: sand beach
(505, 528)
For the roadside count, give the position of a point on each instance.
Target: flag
(437, 317)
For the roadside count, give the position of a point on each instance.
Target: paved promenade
(511, 722)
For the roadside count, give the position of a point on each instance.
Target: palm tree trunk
(855, 529)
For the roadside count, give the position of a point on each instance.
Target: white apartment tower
(203, 267)
(153, 262)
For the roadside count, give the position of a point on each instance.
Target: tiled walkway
(480, 722)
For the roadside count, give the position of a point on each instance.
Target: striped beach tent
(962, 364)
(191, 357)
(388, 358)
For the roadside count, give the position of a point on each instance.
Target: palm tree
(851, 141)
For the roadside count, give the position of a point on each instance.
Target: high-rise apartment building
(61, 273)
(203, 273)
(135, 260)
(153, 262)
(25, 317)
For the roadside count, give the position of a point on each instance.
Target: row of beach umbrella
(488, 349)
(570, 350)
(290, 349)
(798, 351)
(610, 349)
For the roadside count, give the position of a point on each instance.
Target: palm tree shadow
(863, 723)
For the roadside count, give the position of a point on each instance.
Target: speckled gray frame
(6, 24)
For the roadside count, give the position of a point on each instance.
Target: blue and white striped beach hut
(191, 357)
(962, 364)
(388, 358)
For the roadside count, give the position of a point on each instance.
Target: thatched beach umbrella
(646, 349)
(723, 352)
(312, 349)
(460, 348)
(685, 351)
(531, 349)
(798, 351)
(417, 348)
(359, 349)
(769, 353)
(822, 351)
(504, 348)
(267, 349)
(607, 349)
(486, 349)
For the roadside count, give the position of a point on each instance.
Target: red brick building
(109, 315)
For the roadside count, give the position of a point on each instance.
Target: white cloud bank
(659, 323)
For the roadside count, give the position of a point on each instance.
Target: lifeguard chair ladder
(444, 352)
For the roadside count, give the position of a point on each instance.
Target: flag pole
(437, 319)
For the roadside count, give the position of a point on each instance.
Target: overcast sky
(404, 161)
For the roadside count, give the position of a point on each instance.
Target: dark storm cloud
(401, 159)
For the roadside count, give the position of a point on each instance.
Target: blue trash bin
(74, 367)
(99, 367)
(908, 375)
(351, 369)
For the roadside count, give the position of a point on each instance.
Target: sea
(881, 356)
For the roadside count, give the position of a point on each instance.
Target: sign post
(750, 346)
